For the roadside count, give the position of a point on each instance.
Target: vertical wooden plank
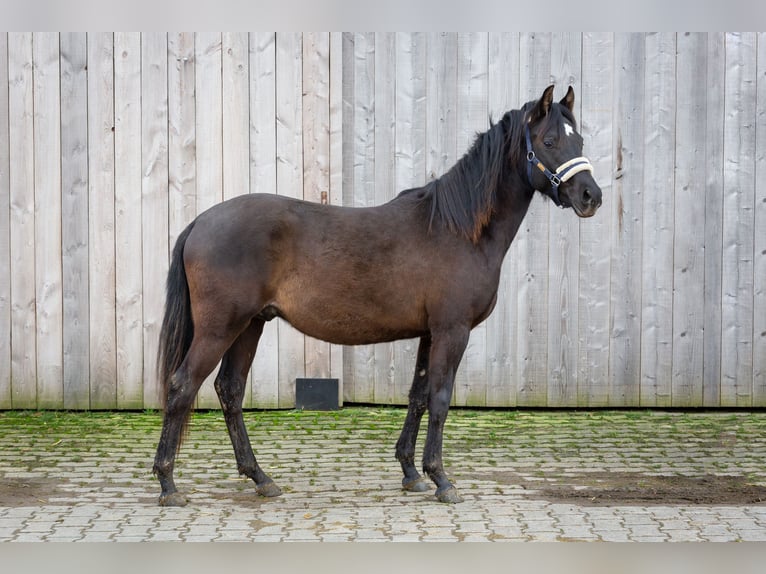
(263, 179)
(564, 241)
(531, 247)
(236, 115)
(336, 167)
(289, 183)
(182, 135)
(738, 221)
(209, 129)
(5, 234)
(384, 129)
(503, 95)
(236, 126)
(131, 381)
(316, 156)
(154, 197)
(714, 190)
(409, 163)
(689, 246)
(759, 251)
(22, 221)
(74, 219)
(47, 149)
(596, 128)
(441, 103)
(348, 114)
(472, 118)
(441, 112)
(657, 219)
(627, 208)
(182, 140)
(103, 346)
(359, 172)
(316, 119)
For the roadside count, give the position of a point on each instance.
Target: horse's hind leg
(199, 362)
(230, 386)
(405, 446)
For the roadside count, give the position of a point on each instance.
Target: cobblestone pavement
(525, 476)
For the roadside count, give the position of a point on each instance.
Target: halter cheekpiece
(563, 173)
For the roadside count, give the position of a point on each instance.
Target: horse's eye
(548, 143)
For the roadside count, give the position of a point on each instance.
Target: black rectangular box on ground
(316, 394)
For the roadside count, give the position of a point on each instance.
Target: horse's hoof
(450, 495)
(268, 489)
(173, 499)
(416, 485)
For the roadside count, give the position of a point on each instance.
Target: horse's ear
(569, 99)
(543, 105)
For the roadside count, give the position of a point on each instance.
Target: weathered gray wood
(564, 251)
(316, 157)
(236, 125)
(182, 138)
(689, 236)
(626, 215)
(49, 294)
(103, 345)
(111, 144)
(657, 220)
(348, 146)
(182, 134)
(759, 251)
(384, 368)
(714, 186)
(501, 356)
(531, 248)
(74, 220)
(132, 389)
(441, 112)
(263, 179)
(336, 168)
(409, 162)
(471, 117)
(154, 198)
(236, 114)
(292, 350)
(738, 221)
(359, 100)
(22, 224)
(594, 272)
(5, 236)
(209, 141)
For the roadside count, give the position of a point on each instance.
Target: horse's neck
(512, 206)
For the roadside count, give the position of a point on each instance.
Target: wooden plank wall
(110, 144)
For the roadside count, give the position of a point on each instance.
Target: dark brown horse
(426, 264)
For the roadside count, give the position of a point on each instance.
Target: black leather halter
(563, 172)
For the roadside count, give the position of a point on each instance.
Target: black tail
(177, 327)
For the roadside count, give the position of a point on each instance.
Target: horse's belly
(352, 324)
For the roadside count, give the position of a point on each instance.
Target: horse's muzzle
(584, 195)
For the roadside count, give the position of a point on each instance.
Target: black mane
(465, 197)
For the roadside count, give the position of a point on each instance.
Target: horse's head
(555, 164)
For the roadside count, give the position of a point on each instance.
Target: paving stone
(102, 488)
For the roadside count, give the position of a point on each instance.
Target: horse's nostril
(587, 197)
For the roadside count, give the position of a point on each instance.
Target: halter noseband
(563, 172)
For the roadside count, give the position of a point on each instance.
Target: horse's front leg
(447, 350)
(405, 446)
